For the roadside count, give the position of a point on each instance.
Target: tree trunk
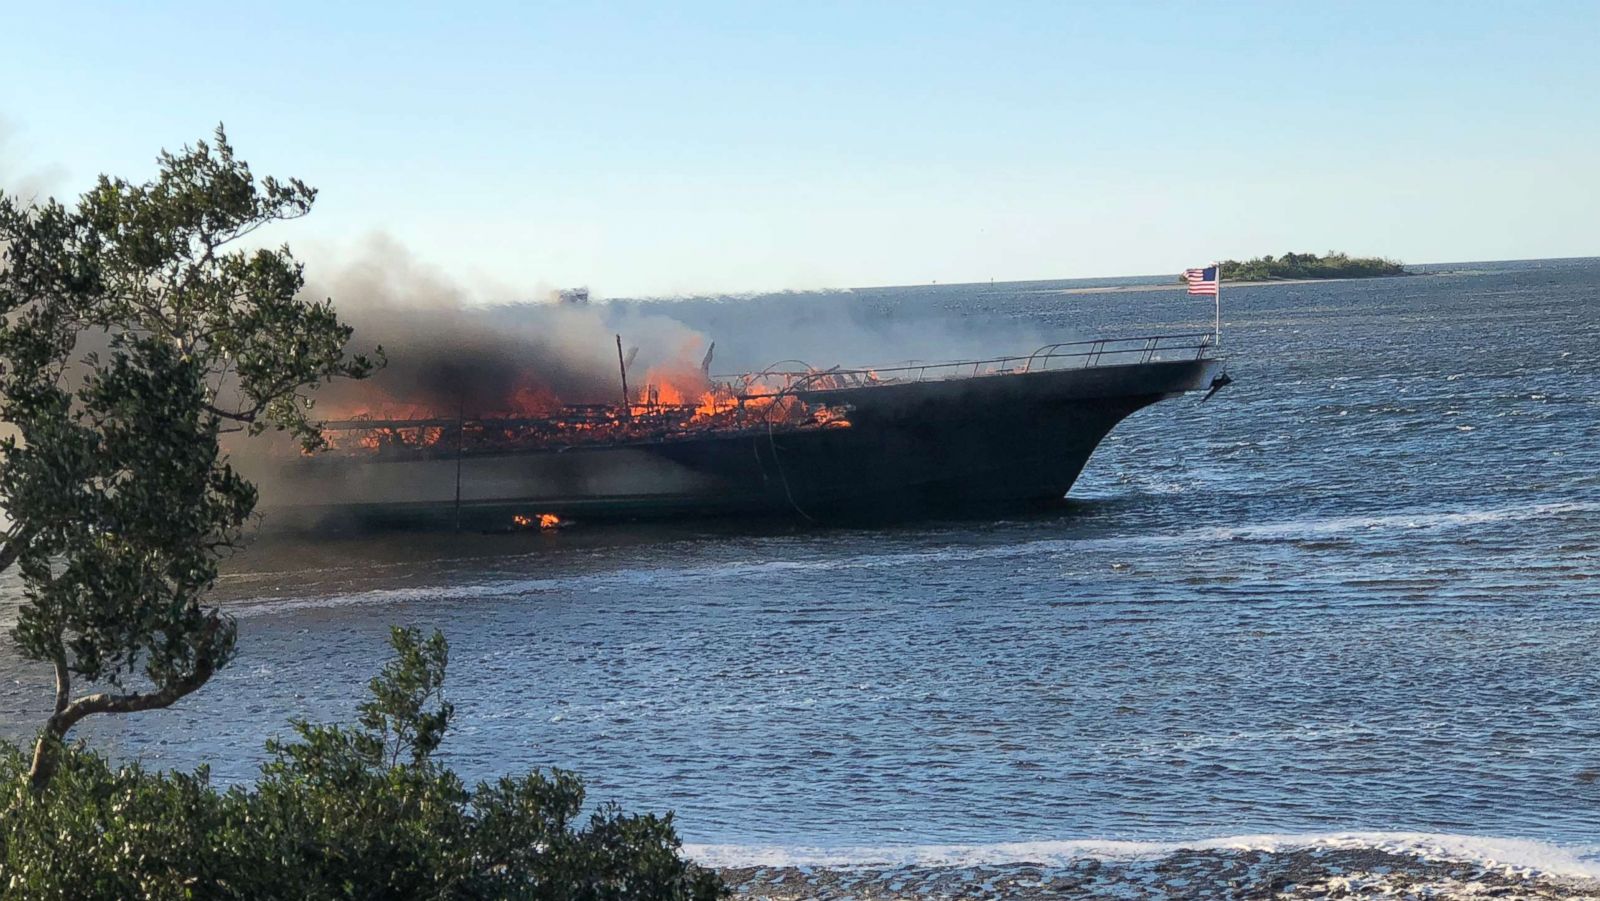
(46, 760)
(47, 750)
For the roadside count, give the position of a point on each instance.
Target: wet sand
(1315, 872)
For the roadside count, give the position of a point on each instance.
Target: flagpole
(1217, 324)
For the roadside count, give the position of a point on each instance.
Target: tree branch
(9, 552)
(47, 752)
(234, 415)
(16, 542)
(133, 702)
(130, 702)
(63, 683)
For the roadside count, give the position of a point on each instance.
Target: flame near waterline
(542, 521)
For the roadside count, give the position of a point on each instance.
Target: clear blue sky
(691, 146)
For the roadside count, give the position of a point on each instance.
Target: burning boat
(1000, 434)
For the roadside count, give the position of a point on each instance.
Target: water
(1359, 590)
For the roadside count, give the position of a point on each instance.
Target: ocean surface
(1358, 590)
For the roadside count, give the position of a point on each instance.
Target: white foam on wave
(955, 553)
(509, 587)
(1341, 525)
(261, 606)
(1522, 856)
(1287, 529)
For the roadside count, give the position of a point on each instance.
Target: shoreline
(1406, 864)
(1313, 871)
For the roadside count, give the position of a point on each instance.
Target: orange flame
(533, 400)
(683, 386)
(542, 521)
(673, 400)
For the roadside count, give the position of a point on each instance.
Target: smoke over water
(451, 353)
(448, 355)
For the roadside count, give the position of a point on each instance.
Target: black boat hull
(984, 444)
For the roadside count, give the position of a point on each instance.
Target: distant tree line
(1333, 264)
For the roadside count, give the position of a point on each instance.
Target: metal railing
(1051, 357)
(776, 383)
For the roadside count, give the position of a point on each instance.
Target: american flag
(1202, 281)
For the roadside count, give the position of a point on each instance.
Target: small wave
(1338, 525)
(259, 606)
(513, 587)
(1525, 855)
(1299, 530)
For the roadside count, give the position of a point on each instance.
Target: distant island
(1308, 265)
